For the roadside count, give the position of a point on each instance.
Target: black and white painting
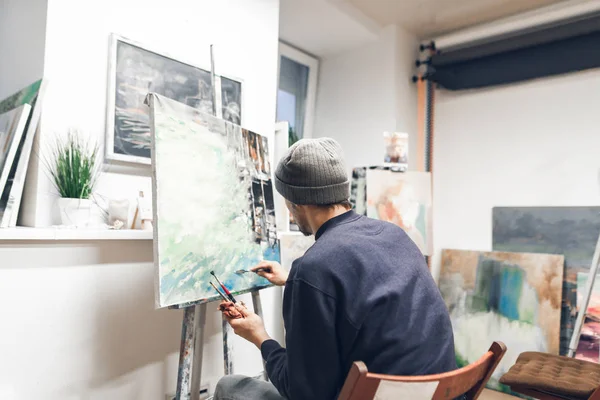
(136, 71)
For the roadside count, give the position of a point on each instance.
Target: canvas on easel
(213, 204)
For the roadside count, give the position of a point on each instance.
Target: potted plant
(74, 170)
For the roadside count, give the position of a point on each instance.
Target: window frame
(312, 63)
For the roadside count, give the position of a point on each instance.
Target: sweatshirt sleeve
(308, 368)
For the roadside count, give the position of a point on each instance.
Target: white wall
(22, 36)
(78, 318)
(366, 91)
(529, 144)
(76, 61)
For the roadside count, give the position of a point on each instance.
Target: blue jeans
(237, 387)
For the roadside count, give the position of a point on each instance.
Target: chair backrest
(470, 381)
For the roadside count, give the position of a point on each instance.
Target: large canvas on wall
(402, 198)
(511, 297)
(134, 71)
(571, 231)
(213, 203)
(10, 200)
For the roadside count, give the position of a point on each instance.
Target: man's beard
(303, 230)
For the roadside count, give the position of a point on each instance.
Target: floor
(493, 395)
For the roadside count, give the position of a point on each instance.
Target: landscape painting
(571, 231)
(404, 199)
(213, 204)
(136, 71)
(511, 297)
(588, 348)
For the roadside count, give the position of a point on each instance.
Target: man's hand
(272, 271)
(245, 323)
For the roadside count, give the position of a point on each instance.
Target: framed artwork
(221, 216)
(136, 70)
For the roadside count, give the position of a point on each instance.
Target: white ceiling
(321, 28)
(325, 27)
(427, 18)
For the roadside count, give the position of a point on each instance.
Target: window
(296, 91)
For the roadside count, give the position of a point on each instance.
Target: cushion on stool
(559, 375)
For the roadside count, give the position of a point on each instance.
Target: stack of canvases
(19, 117)
(525, 293)
(528, 297)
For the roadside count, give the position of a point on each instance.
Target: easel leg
(228, 362)
(190, 353)
(256, 303)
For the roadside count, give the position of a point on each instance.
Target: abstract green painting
(213, 204)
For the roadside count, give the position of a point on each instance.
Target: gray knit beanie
(313, 171)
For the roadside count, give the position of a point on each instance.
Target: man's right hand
(272, 271)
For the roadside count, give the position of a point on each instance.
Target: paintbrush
(227, 292)
(243, 271)
(227, 300)
(218, 291)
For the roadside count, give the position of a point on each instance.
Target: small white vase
(74, 212)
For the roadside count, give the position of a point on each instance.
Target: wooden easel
(194, 321)
(189, 371)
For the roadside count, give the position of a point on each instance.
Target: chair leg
(595, 395)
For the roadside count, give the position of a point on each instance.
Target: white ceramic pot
(74, 212)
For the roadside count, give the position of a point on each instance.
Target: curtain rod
(542, 16)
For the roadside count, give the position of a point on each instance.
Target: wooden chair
(470, 381)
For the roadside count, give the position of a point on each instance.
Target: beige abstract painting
(510, 297)
(404, 199)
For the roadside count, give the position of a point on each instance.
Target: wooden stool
(548, 377)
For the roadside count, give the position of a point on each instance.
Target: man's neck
(322, 215)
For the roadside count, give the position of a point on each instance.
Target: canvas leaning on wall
(511, 297)
(12, 192)
(213, 203)
(571, 231)
(12, 125)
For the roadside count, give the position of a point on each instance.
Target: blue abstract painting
(510, 297)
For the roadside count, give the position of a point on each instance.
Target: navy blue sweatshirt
(362, 292)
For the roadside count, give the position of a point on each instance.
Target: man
(362, 292)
